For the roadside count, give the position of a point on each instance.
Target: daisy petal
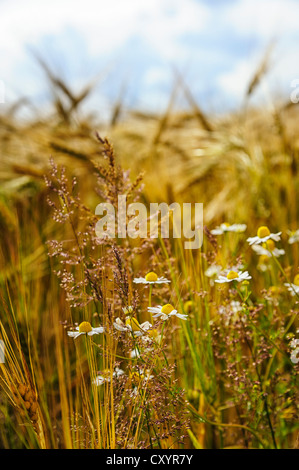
(74, 334)
(97, 330)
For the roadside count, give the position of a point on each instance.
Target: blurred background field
(232, 383)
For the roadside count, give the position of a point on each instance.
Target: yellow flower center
(232, 275)
(167, 309)
(263, 232)
(226, 224)
(151, 277)
(296, 280)
(133, 323)
(263, 259)
(269, 245)
(85, 327)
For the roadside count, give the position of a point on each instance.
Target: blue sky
(134, 45)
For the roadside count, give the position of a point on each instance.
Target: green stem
(150, 301)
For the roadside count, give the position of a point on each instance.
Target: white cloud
(157, 76)
(263, 18)
(105, 27)
(235, 82)
(261, 22)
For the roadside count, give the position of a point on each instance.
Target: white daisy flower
(165, 312)
(268, 249)
(234, 276)
(294, 237)
(132, 325)
(237, 268)
(213, 271)
(106, 375)
(85, 328)
(237, 228)
(151, 278)
(263, 235)
(294, 287)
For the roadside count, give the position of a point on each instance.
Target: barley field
(121, 343)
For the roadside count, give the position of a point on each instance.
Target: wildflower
(294, 343)
(272, 296)
(268, 249)
(138, 377)
(294, 237)
(234, 276)
(263, 263)
(294, 287)
(232, 312)
(151, 278)
(105, 376)
(212, 272)
(236, 306)
(263, 235)
(165, 312)
(274, 290)
(132, 325)
(152, 335)
(85, 328)
(237, 228)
